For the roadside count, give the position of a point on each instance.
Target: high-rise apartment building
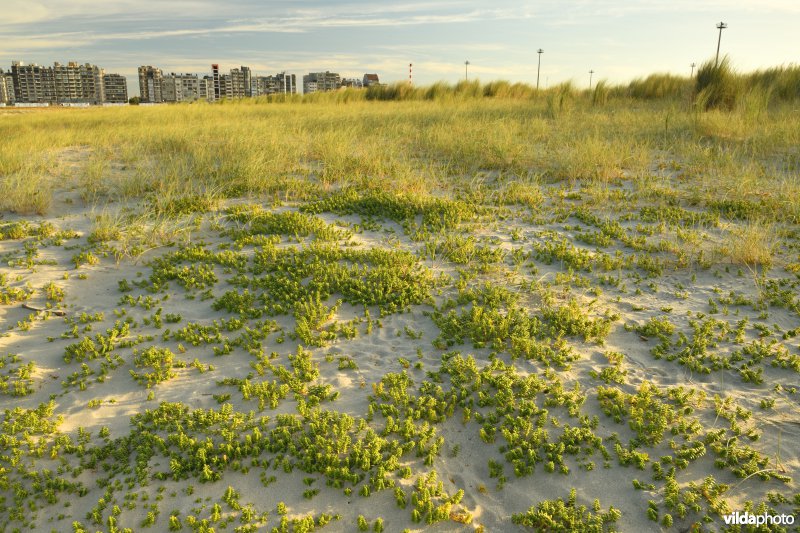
(116, 88)
(49, 93)
(288, 83)
(28, 82)
(190, 87)
(321, 81)
(247, 80)
(171, 88)
(92, 90)
(150, 79)
(68, 82)
(264, 85)
(234, 86)
(180, 87)
(279, 83)
(206, 88)
(6, 88)
(60, 84)
(217, 81)
(225, 86)
(73, 83)
(239, 83)
(12, 96)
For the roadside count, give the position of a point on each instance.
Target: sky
(618, 39)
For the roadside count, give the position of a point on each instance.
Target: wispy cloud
(500, 37)
(245, 16)
(125, 20)
(28, 12)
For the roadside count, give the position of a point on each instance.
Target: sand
(463, 462)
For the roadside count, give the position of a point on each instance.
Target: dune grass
(421, 146)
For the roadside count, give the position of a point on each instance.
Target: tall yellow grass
(432, 145)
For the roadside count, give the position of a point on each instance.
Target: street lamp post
(539, 67)
(590, 79)
(466, 72)
(721, 26)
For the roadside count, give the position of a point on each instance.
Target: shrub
(156, 366)
(557, 515)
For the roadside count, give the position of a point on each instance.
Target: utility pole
(721, 26)
(693, 65)
(539, 68)
(466, 73)
(590, 79)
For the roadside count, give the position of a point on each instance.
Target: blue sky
(620, 40)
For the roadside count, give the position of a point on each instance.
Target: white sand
(376, 354)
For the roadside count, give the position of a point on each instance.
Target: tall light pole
(466, 73)
(538, 68)
(721, 26)
(693, 65)
(590, 79)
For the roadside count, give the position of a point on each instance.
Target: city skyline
(619, 41)
(61, 84)
(31, 84)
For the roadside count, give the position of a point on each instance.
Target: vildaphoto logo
(749, 519)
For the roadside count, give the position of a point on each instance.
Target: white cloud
(23, 12)
(117, 15)
(43, 11)
(241, 13)
(436, 37)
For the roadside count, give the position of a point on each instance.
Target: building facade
(68, 82)
(225, 86)
(280, 83)
(217, 81)
(116, 89)
(288, 83)
(6, 88)
(370, 80)
(246, 80)
(206, 88)
(263, 86)
(92, 89)
(28, 82)
(321, 81)
(12, 97)
(180, 88)
(353, 83)
(237, 84)
(72, 83)
(150, 84)
(309, 86)
(190, 87)
(170, 88)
